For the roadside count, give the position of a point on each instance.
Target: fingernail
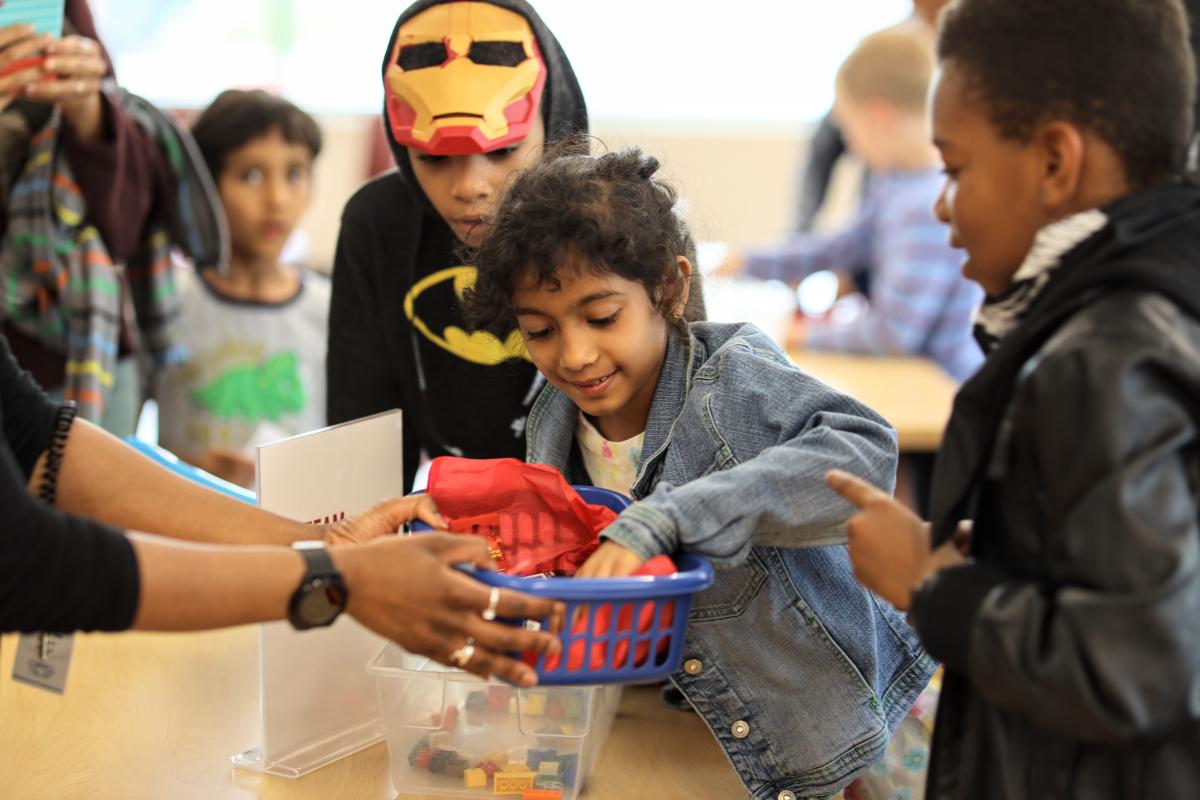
(50, 64)
(527, 677)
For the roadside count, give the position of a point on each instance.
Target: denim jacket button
(740, 729)
(693, 666)
(786, 794)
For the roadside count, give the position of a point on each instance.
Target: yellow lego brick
(534, 705)
(514, 783)
(475, 778)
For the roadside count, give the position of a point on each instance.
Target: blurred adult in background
(91, 205)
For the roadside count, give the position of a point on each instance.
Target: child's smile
(600, 340)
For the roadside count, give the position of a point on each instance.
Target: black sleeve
(1105, 647)
(361, 380)
(28, 415)
(57, 572)
(361, 376)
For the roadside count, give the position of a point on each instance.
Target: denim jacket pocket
(732, 592)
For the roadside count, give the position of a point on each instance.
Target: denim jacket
(801, 674)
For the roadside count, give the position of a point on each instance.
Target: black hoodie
(392, 238)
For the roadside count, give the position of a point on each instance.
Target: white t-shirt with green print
(255, 371)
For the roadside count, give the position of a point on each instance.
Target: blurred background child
(918, 303)
(255, 335)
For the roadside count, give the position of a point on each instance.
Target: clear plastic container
(451, 734)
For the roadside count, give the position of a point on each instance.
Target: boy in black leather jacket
(1066, 616)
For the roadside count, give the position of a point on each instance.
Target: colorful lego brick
(417, 747)
(548, 768)
(439, 739)
(497, 756)
(439, 761)
(533, 704)
(515, 766)
(423, 758)
(512, 782)
(456, 766)
(542, 782)
(539, 754)
(475, 778)
(518, 755)
(489, 767)
(568, 765)
(477, 699)
(542, 794)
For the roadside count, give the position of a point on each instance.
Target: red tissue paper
(533, 520)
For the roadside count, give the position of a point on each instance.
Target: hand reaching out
(610, 560)
(889, 545)
(408, 590)
(385, 518)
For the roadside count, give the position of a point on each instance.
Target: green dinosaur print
(255, 393)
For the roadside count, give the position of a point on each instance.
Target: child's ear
(1062, 149)
(685, 282)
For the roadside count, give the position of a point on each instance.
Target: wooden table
(913, 394)
(159, 715)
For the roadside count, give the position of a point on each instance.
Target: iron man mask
(464, 78)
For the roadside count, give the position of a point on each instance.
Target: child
(918, 302)
(256, 336)
(1069, 631)
(396, 336)
(800, 673)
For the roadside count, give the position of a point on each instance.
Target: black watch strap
(322, 594)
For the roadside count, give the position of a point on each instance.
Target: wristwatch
(322, 593)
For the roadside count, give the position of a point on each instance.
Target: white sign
(318, 703)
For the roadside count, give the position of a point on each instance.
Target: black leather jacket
(1081, 674)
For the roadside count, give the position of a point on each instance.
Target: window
(753, 60)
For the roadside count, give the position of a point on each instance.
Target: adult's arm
(801, 256)
(913, 277)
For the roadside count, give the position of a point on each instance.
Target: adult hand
(74, 68)
(405, 588)
(18, 44)
(610, 560)
(889, 545)
(385, 518)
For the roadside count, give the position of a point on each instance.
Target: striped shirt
(919, 302)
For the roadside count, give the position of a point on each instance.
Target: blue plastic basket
(595, 652)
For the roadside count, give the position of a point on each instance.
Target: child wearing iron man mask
(473, 92)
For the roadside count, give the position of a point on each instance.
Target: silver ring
(489, 613)
(462, 656)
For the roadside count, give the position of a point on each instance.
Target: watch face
(321, 603)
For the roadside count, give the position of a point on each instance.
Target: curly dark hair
(1122, 69)
(237, 116)
(574, 210)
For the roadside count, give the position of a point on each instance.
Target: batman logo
(478, 347)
